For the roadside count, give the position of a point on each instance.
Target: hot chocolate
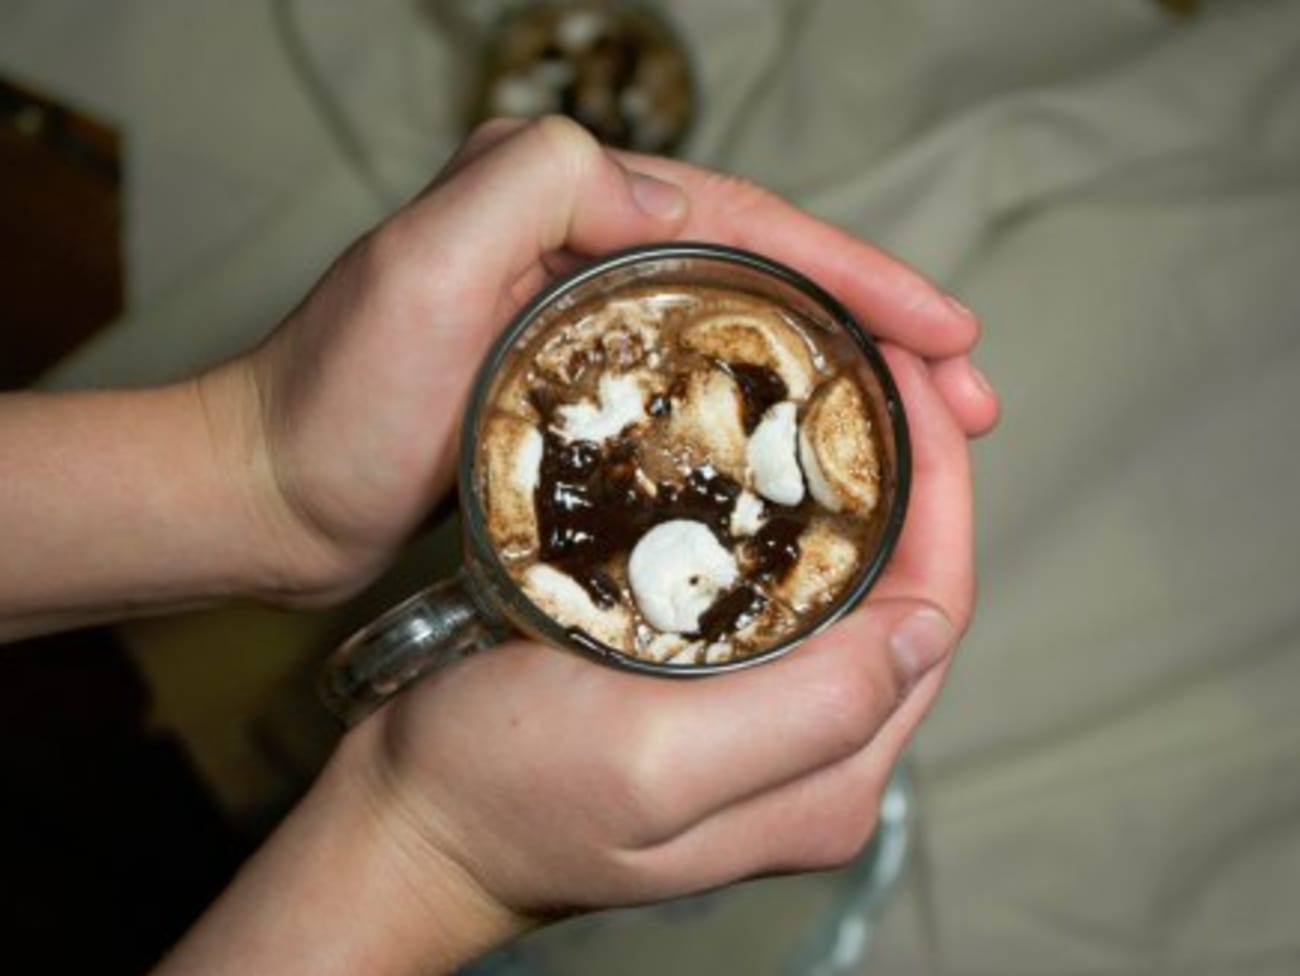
(686, 474)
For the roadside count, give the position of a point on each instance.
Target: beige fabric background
(1109, 784)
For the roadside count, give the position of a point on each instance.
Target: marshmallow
(826, 562)
(685, 652)
(622, 403)
(707, 419)
(689, 654)
(747, 517)
(758, 338)
(767, 627)
(677, 571)
(617, 336)
(562, 597)
(522, 94)
(579, 29)
(669, 647)
(837, 451)
(513, 395)
(771, 456)
(513, 456)
(717, 652)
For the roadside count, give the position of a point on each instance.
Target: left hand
(357, 397)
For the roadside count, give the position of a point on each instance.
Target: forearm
(122, 502)
(344, 886)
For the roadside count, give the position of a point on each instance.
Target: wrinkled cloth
(1108, 784)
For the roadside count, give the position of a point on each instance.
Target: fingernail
(958, 307)
(657, 198)
(981, 381)
(919, 642)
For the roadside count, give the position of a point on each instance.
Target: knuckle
(639, 774)
(741, 195)
(847, 832)
(853, 706)
(566, 141)
(492, 129)
(378, 256)
(846, 845)
(386, 268)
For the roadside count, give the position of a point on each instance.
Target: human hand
(558, 785)
(357, 397)
(524, 781)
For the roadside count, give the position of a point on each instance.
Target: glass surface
(690, 264)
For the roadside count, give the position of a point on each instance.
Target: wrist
(344, 886)
(141, 501)
(457, 918)
(289, 564)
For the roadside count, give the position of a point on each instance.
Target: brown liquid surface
(595, 499)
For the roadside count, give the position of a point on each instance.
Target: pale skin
(479, 803)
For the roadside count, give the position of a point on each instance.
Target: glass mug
(482, 604)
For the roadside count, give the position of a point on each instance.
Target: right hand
(559, 785)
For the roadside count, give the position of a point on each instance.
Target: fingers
(819, 821)
(482, 140)
(823, 818)
(699, 747)
(778, 723)
(934, 559)
(894, 301)
(524, 190)
(973, 402)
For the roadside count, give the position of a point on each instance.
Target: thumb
(541, 187)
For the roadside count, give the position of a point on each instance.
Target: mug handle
(435, 627)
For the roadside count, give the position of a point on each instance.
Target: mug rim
(482, 556)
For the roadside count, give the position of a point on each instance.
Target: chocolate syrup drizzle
(760, 388)
(731, 612)
(592, 506)
(589, 507)
(775, 547)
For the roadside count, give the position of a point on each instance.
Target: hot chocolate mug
(483, 604)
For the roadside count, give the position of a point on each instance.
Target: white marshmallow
(522, 95)
(676, 571)
(818, 486)
(837, 449)
(666, 647)
(528, 463)
(688, 654)
(622, 403)
(617, 336)
(563, 598)
(707, 419)
(760, 338)
(717, 652)
(513, 463)
(827, 560)
(771, 456)
(579, 30)
(747, 516)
